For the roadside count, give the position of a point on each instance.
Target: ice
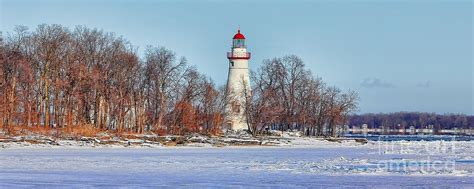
(303, 163)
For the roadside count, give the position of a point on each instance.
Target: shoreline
(191, 141)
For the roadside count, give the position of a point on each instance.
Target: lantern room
(239, 50)
(239, 40)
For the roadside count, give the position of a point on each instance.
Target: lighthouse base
(237, 125)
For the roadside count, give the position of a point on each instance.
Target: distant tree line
(54, 77)
(403, 120)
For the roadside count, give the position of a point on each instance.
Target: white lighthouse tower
(238, 83)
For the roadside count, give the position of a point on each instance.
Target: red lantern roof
(239, 35)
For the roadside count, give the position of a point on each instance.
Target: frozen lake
(238, 167)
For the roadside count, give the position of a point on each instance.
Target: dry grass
(161, 132)
(82, 130)
(23, 130)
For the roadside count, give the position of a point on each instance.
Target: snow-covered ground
(302, 164)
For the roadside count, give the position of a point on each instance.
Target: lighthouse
(238, 83)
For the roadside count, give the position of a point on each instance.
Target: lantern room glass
(238, 43)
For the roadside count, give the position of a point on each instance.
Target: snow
(301, 163)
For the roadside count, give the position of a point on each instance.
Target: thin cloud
(425, 84)
(376, 83)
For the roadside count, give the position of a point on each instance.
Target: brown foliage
(84, 81)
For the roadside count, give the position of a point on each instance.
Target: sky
(399, 55)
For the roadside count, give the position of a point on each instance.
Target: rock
(233, 141)
(148, 145)
(155, 138)
(52, 142)
(6, 140)
(333, 140)
(219, 145)
(198, 139)
(198, 145)
(85, 139)
(135, 141)
(178, 139)
(109, 142)
(270, 143)
(170, 144)
(17, 139)
(362, 140)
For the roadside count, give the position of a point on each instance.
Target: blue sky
(404, 55)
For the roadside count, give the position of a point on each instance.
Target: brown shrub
(81, 130)
(24, 130)
(161, 132)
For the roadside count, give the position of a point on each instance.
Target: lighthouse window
(239, 43)
(232, 64)
(236, 108)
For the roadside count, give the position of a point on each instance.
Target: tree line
(420, 120)
(54, 77)
(286, 96)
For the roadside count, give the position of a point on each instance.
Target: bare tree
(54, 77)
(162, 75)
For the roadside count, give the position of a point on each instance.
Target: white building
(365, 129)
(412, 130)
(238, 83)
